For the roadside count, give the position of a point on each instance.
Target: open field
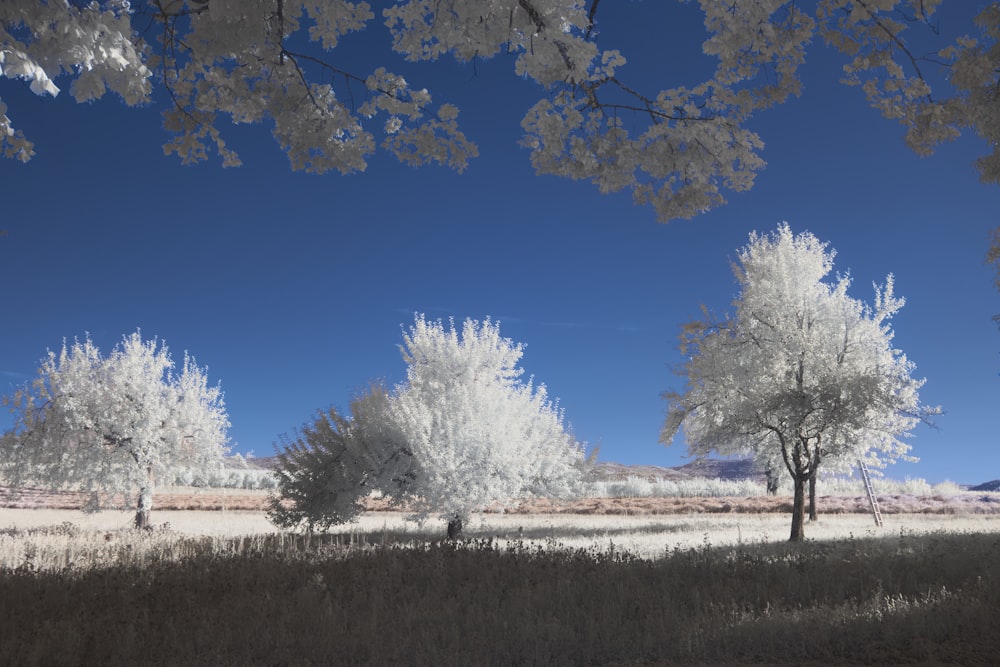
(927, 501)
(646, 536)
(524, 590)
(597, 581)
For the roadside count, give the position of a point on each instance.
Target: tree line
(801, 377)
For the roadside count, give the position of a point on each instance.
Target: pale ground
(648, 536)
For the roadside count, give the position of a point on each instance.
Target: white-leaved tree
(676, 147)
(481, 435)
(802, 375)
(463, 433)
(114, 425)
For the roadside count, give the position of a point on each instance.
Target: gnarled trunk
(801, 464)
(798, 509)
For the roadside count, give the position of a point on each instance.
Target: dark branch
(591, 15)
(898, 42)
(541, 26)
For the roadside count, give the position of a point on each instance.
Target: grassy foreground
(384, 599)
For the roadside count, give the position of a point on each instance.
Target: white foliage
(640, 487)
(464, 433)
(480, 435)
(226, 477)
(115, 424)
(802, 374)
(676, 147)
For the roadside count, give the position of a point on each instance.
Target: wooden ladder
(872, 500)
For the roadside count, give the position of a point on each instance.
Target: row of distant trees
(236, 473)
(801, 377)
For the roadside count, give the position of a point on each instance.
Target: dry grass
(58, 536)
(625, 582)
(391, 597)
(170, 498)
(187, 498)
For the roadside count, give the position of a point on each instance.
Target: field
(645, 536)
(635, 585)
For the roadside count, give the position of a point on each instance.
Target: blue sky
(293, 288)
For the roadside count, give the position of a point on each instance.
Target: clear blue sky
(293, 288)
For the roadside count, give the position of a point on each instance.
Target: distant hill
(262, 462)
(987, 486)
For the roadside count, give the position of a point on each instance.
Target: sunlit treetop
(800, 365)
(677, 148)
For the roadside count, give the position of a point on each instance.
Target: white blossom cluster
(41, 40)
(481, 435)
(235, 472)
(802, 374)
(115, 424)
(464, 433)
(704, 487)
(678, 148)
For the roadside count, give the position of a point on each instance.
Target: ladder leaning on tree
(872, 500)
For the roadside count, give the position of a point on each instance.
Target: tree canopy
(333, 464)
(802, 375)
(462, 434)
(115, 424)
(482, 435)
(678, 148)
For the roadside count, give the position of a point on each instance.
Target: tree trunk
(812, 497)
(144, 507)
(773, 480)
(455, 527)
(798, 510)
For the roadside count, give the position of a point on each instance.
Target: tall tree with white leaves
(464, 433)
(481, 435)
(114, 425)
(677, 147)
(802, 374)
